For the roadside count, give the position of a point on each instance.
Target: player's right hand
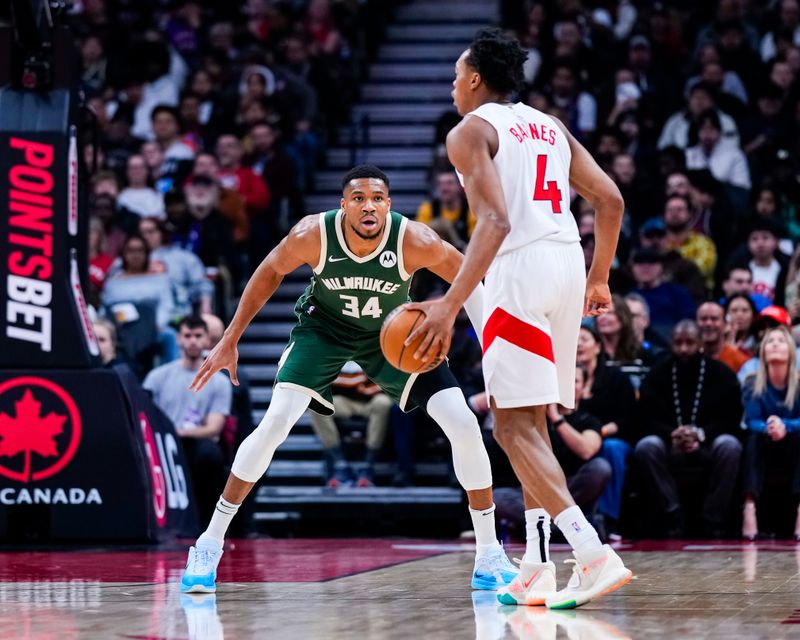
(224, 356)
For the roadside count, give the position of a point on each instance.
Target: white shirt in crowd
(144, 201)
(676, 130)
(765, 278)
(726, 162)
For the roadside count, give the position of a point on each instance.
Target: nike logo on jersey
(332, 259)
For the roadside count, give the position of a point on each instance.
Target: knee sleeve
(470, 460)
(255, 453)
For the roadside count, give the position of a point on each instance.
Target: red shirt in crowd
(253, 189)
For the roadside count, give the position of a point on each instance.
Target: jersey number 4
(372, 308)
(551, 192)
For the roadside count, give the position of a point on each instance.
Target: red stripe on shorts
(501, 324)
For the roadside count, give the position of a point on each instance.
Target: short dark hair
(498, 58)
(193, 322)
(165, 108)
(709, 116)
(364, 171)
(678, 196)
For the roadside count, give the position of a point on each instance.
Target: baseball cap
(639, 42)
(646, 255)
(776, 313)
(653, 227)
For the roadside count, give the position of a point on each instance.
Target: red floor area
(244, 561)
(295, 560)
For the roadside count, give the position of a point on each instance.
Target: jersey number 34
(372, 307)
(551, 192)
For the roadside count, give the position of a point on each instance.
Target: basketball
(399, 324)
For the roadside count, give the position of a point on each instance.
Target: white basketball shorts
(533, 304)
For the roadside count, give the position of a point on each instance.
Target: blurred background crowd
(210, 120)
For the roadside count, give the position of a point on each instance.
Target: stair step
(405, 203)
(301, 443)
(259, 372)
(432, 32)
(399, 134)
(261, 350)
(276, 311)
(303, 424)
(405, 71)
(406, 91)
(414, 179)
(268, 330)
(386, 157)
(439, 52)
(281, 495)
(307, 469)
(475, 10)
(392, 113)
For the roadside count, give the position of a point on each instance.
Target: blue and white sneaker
(493, 571)
(200, 574)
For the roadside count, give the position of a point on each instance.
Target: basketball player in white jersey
(517, 165)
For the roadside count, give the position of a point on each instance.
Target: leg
(653, 459)
(616, 452)
(589, 482)
(377, 412)
(726, 453)
(328, 433)
(207, 465)
(753, 469)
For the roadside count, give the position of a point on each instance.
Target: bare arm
(584, 444)
(210, 429)
(594, 185)
(300, 246)
(470, 146)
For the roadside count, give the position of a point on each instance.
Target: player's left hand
(437, 329)
(597, 299)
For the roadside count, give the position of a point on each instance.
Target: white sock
(537, 535)
(581, 536)
(220, 521)
(485, 533)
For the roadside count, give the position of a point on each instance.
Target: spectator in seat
(233, 175)
(449, 208)
(178, 156)
(772, 316)
(677, 128)
(767, 264)
(139, 280)
(99, 260)
(692, 245)
(740, 314)
(668, 302)
(620, 344)
(353, 395)
(772, 416)
(609, 396)
(230, 203)
(691, 408)
(191, 287)
(576, 441)
(106, 334)
(205, 231)
(739, 280)
(139, 197)
(198, 417)
(650, 341)
(711, 321)
(677, 269)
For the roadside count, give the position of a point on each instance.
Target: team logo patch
(40, 428)
(388, 259)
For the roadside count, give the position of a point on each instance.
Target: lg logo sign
(169, 481)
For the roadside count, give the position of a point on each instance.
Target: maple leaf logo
(29, 432)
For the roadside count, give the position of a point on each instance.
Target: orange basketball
(399, 324)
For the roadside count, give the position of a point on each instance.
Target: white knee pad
(255, 453)
(470, 460)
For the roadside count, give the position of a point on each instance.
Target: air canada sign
(40, 431)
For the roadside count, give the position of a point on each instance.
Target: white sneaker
(603, 574)
(535, 583)
(494, 570)
(200, 574)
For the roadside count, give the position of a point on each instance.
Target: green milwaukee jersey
(353, 293)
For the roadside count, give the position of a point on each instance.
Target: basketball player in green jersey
(363, 256)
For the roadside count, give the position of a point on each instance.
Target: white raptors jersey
(532, 159)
